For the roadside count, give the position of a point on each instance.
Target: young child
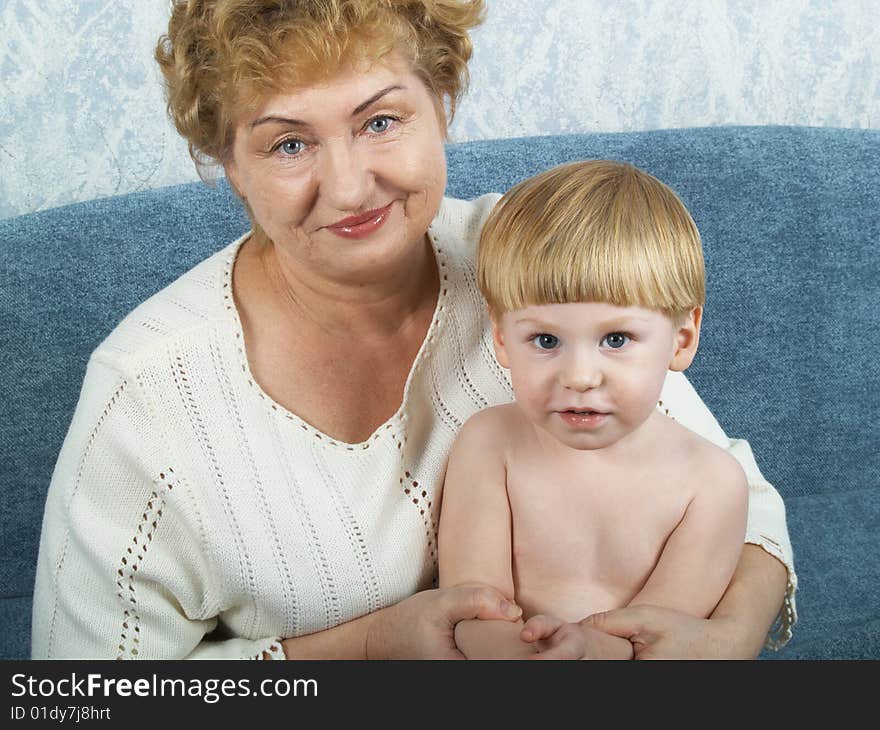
(582, 496)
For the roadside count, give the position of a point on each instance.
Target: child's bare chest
(587, 540)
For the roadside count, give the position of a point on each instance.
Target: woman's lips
(360, 226)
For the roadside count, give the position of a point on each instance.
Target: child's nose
(581, 374)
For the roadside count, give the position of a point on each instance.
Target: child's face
(591, 373)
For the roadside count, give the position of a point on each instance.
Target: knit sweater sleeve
(766, 520)
(122, 570)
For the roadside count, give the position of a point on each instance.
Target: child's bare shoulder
(494, 423)
(708, 466)
(481, 446)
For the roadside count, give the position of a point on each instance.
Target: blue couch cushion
(834, 536)
(15, 621)
(790, 225)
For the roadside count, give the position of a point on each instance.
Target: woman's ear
(687, 337)
(498, 340)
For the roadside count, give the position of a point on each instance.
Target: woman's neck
(380, 306)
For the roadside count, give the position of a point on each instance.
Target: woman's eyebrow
(375, 97)
(300, 123)
(278, 120)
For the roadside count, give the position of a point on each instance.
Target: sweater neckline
(397, 419)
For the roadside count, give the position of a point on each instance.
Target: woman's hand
(493, 640)
(559, 640)
(423, 626)
(663, 633)
(736, 629)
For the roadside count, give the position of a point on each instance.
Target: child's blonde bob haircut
(593, 231)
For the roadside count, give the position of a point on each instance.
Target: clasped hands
(632, 632)
(540, 637)
(440, 623)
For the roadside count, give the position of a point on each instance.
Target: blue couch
(790, 219)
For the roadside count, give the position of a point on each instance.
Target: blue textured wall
(82, 114)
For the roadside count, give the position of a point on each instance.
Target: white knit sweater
(185, 501)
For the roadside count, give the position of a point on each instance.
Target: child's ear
(498, 339)
(687, 337)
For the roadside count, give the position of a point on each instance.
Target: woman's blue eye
(291, 147)
(616, 340)
(546, 342)
(379, 124)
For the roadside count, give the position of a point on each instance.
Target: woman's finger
(627, 622)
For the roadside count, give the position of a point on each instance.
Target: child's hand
(556, 639)
(540, 627)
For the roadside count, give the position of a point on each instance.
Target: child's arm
(475, 534)
(700, 555)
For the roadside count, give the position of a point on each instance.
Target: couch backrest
(790, 225)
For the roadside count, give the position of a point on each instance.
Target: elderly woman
(254, 467)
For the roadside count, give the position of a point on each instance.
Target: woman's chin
(373, 259)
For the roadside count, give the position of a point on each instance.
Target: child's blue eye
(616, 340)
(545, 341)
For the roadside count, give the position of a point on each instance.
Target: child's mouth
(585, 419)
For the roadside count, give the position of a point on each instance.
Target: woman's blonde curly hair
(219, 57)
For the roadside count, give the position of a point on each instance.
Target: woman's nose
(344, 177)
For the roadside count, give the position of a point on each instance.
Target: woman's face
(344, 176)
